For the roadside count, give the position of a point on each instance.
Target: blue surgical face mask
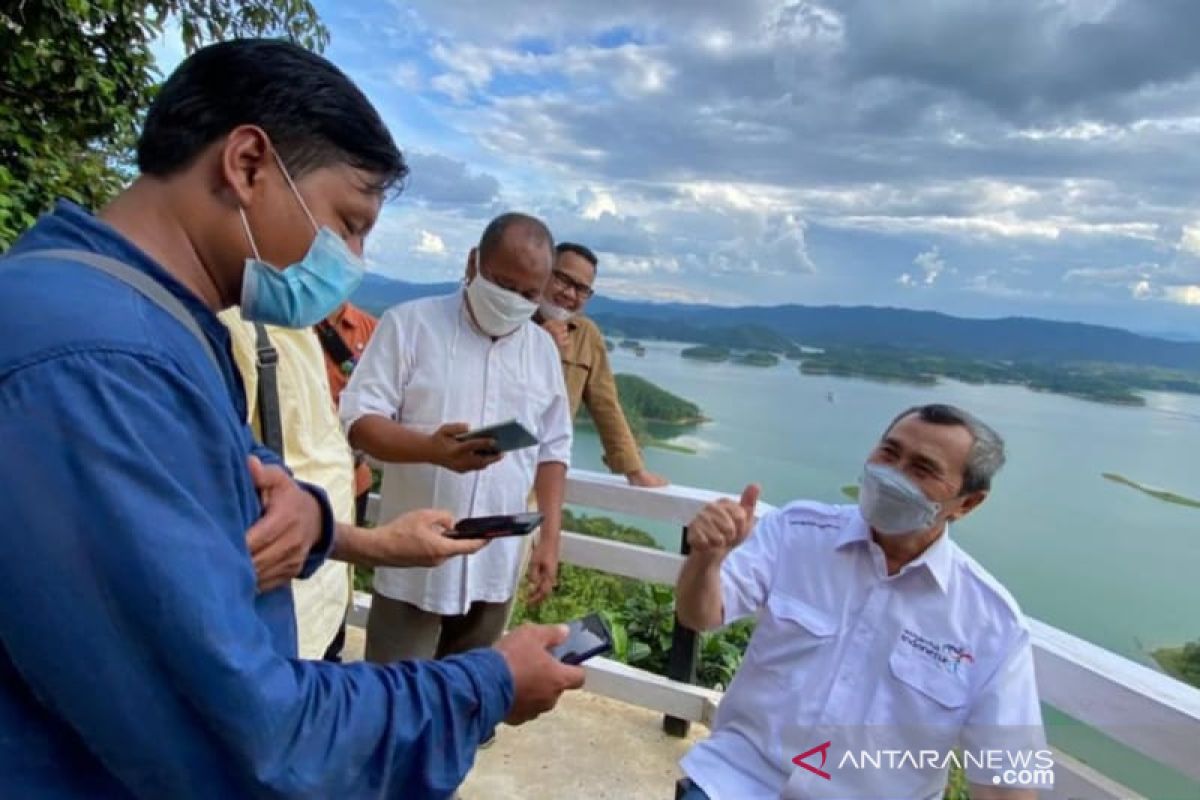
(306, 292)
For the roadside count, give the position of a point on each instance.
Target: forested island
(1104, 383)
(654, 414)
(757, 358)
(706, 352)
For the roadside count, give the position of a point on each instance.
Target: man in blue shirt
(149, 647)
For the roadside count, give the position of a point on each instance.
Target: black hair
(494, 233)
(583, 252)
(314, 114)
(986, 456)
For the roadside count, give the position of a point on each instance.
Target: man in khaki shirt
(588, 374)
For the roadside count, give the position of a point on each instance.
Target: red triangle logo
(823, 749)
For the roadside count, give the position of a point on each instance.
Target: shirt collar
(936, 560)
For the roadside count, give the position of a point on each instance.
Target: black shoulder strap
(334, 345)
(270, 418)
(149, 288)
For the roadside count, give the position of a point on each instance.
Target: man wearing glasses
(586, 369)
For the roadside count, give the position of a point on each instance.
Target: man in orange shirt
(344, 335)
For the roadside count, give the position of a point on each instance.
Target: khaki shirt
(590, 382)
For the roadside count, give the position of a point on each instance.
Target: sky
(1037, 158)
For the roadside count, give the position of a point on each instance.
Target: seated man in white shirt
(880, 646)
(438, 367)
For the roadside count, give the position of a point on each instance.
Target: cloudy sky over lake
(981, 158)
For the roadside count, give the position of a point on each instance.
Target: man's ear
(245, 156)
(472, 263)
(969, 504)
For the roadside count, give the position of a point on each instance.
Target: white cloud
(634, 265)
(595, 202)
(999, 226)
(931, 264)
(407, 76)
(1184, 295)
(1189, 240)
(453, 85)
(430, 244)
(640, 289)
(726, 146)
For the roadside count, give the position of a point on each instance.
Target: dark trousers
(685, 789)
(334, 651)
(360, 508)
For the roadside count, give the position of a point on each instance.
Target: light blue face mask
(306, 292)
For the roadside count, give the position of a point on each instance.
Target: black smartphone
(497, 526)
(510, 435)
(589, 637)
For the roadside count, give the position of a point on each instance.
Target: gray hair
(986, 456)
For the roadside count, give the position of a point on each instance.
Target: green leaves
(79, 75)
(641, 615)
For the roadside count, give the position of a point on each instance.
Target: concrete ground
(589, 747)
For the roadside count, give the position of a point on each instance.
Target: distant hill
(377, 293)
(778, 328)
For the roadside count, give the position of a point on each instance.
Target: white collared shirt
(427, 364)
(934, 657)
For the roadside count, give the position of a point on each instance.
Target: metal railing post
(681, 661)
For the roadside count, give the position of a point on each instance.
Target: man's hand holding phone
(539, 679)
(587, 637)
(471, 455)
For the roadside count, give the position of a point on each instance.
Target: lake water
(1100, 560)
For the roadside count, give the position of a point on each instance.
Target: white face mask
(498, 311)
(892, 504)
(557, 313)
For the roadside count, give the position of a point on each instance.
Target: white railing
(1146, 710)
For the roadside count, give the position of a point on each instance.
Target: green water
(1092, 557)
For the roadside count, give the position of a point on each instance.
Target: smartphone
(589, 637)
(511, 435)
(496, 527)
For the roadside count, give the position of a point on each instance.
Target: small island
(706, 352)
(1159, 494)
(757, 358)
(1181, 663)
(655, 416)
(850, 364)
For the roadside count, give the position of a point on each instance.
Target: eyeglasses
(567, 282)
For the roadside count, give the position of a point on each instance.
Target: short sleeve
(377, 383)
(746, 575)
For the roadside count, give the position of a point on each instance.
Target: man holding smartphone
(438, 368)
(149, 642)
